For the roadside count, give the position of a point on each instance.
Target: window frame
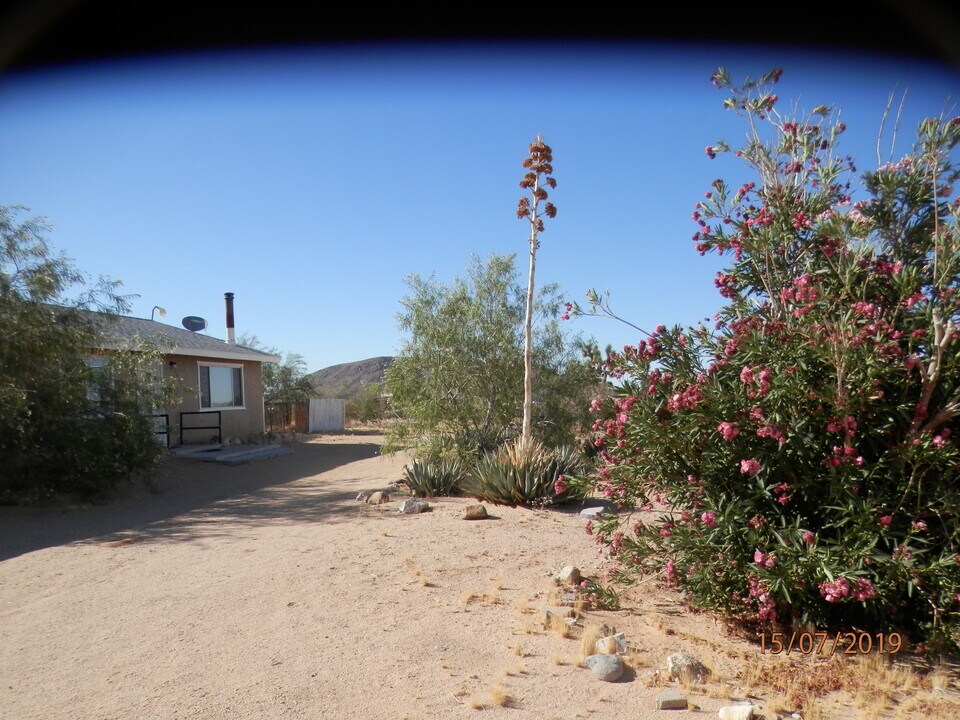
(225, 408)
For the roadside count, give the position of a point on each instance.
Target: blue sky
(310, 182)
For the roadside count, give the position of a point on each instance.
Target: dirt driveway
(267, 591)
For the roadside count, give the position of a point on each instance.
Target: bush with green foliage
(805, 447)
(456, 387)
(65, 429)
(517, 474)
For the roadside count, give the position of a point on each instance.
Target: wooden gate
(327, 415)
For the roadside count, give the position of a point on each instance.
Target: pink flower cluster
(843, 456)
(709, 519)
(761, 381)
(559, 485)
(757, 589)
(749, 467)
(847, 425)
(764, 560)
(840, 588)
(726, 284)
(688, 399)
(728, 430)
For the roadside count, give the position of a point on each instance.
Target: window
(99, 376)
(221, 386)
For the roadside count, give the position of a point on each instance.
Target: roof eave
(194, 352)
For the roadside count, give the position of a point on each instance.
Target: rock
(681, 666)
(608, 668)
(412, 506)
(546, 611)
(363, 495)
(475, 512)
(378, 498)
(569, 575)
(736, 712)
(612, 644)
(591, 512)
(669, 699)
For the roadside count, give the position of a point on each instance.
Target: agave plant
(522, 475)
(430, 479)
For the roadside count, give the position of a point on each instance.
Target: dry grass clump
(467, 597)
(524, 608)
(499, 696)
(558, 659)
(491, 597)
(558, 625)
(876, 684)
(588, 642)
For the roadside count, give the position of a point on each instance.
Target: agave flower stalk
(539, 165)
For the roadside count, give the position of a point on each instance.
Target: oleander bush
(803, 449)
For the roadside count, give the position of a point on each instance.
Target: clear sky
(310, 182)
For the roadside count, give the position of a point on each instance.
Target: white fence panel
(327, 415)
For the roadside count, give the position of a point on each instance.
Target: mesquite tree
(539, 173)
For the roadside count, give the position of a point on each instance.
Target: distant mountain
(346, 379)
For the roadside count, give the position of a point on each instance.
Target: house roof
(127, 333)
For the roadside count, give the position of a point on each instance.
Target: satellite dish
(194, 323)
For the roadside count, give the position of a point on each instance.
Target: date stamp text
(823, 643)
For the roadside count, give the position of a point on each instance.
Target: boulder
(475, 512)
(569, 575)
(608, 668)
(612, 644)
(591, 512)
(412, 506)
(681, 666)
(548, 611)
(736, 712)
(670, 700)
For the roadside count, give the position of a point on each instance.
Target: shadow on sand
(191, 500)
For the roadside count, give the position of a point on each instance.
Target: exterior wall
(235, 423)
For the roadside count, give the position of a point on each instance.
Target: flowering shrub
(804, 445)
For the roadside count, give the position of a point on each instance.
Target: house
(222, 388)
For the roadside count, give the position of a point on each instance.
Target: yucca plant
(523, 475)
(431, 479)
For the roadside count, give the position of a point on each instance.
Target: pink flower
(728, 430)
(809, 537)
(709, 519)
(746, 374)
(749, 467)
(559, 486)
(835, 591)
(886, 520)
(764, 560)
(919, 525)
(863, 590)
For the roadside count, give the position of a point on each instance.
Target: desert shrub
(519, 475)
(433, 479)
(456, 386)
(65, 428)
(804, 446)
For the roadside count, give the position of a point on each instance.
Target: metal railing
(216, 427)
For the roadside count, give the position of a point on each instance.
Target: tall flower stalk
(539, 165)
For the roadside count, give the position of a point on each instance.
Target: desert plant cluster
(801, 449)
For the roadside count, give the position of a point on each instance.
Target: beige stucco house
(222, 389)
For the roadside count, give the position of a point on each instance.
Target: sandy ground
(267, 591)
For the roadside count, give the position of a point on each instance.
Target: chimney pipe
(231, 333)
